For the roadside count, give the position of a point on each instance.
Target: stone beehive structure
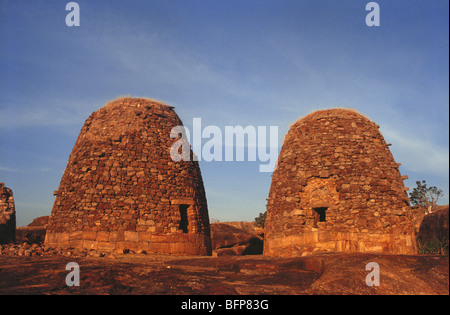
(337, 188)
(7, 215)
(121, 189)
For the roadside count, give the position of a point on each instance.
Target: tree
(261, 220)
(214, 220)
(425, 197)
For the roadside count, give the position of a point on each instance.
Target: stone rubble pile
(39, 250)
(7, 215)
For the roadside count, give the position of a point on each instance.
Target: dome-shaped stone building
(337, 188)
(121, 189)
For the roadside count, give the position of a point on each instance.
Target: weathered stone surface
(236, 238)
(244, 275)
(7, 215)
(435, 225)
(33, 232)
(122, 191)
(225, 234)
(337, 188)
(419, 214)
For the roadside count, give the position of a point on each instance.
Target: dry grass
(136, 100)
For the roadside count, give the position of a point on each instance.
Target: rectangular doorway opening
(183, 218)
(320, 215)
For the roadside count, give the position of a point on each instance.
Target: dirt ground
(237, 275)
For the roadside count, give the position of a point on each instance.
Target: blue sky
(228, 62)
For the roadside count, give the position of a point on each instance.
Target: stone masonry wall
(121, 190)
(337, 187)
(7, 215)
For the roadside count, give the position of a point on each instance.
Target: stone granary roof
(338, 188)
(121, 189)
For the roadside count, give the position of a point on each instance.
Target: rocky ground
(167, 275)
(29, 267)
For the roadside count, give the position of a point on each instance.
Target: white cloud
(417, 154)
(11, 170)
(40, 115)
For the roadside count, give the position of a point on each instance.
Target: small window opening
(183, 218)
(319, 215)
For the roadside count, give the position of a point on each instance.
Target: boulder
(236, 238)
(33, 232)
(434, 225)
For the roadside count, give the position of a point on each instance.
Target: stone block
(102, 236)
(106, 246)
(131, 236)
(88, 244)
(89, 235)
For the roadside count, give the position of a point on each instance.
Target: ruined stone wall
(7, 215)
(337, 187)
(121, 190)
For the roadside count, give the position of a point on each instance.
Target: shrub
(433, 247)
(261, 220)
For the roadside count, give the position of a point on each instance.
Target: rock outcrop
(434, 226)
(33, 232)
(122, 191)
(337, 188)
(236, 238)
